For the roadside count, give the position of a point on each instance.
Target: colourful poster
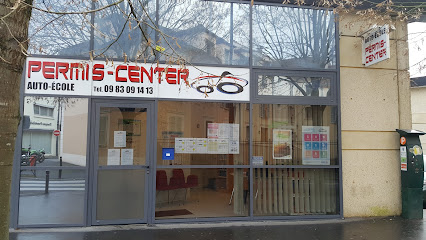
(282, 144)
(315, 145)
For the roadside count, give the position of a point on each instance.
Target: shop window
(293, 86)
(196, 133)
(116, 35)
(68, 35)
(290, 192)
(61, 203)
(207, 32)
(288, 37)
(294, 135)
(202, 193)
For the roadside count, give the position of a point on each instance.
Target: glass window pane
(38, 138)
(206, 32)
(120, 194)
(117, 35)
(274, 85)
(65, 35)
(291, 192)
(125, 124)
(294, 135)
(36, 109)
(293, 37)
(196, 133)
(62, 204)
(197, 193)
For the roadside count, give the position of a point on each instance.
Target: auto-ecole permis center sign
(51, 76)
(375, 45)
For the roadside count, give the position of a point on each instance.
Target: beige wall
(375, 100)
(418, 109)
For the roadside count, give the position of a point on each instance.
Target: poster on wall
(119, 138)
(282, 144)
(113, 157)
(127, 156)
(315, 145)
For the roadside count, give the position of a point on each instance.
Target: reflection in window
(42, 116)
(196, 133)
(43, 111)
(66, 35)
(293, 37)
(206, 32)
(63, 203)
(273, 85)
(294, 135)
(119, 29)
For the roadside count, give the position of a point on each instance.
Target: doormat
(169, 213)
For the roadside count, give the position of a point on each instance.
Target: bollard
(46, 186)
(60, 170)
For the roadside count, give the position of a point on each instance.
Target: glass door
(121, 163)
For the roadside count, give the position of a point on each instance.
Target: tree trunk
(11, 67)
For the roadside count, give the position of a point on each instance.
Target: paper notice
(201, 145)
(127, 156)
(212, 130)
(179, 145)
(119, 138)
(113, 157)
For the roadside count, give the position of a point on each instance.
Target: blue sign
(168, 154)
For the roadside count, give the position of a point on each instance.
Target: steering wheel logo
(226, 83)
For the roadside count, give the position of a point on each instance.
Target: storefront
(250, 130)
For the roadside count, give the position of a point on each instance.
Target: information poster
(201, 145)
(179, 145)
(316, 145)
(127, 156)
(212, 130)
(212, 146)
(282, 144)
(119, 138)
(403, 153)
(222, 138)
(113, 157)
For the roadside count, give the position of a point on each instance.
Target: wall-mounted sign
(375, 45)
(316, 145)
(97, 78)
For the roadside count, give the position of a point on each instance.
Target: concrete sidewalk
(388, 228)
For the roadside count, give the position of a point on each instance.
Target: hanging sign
(51, 76)
(375, 45)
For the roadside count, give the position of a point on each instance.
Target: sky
(417, 48)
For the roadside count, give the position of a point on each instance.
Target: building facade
(273, 116)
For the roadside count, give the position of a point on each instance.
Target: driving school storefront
(250, 130)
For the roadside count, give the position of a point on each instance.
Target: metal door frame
(94, 143)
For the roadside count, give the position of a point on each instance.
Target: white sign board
(375, 45)
(119, 138)
(113, 157)
(51, 76)
(127, 156)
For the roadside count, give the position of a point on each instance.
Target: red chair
(161, 183)
(192, 181)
